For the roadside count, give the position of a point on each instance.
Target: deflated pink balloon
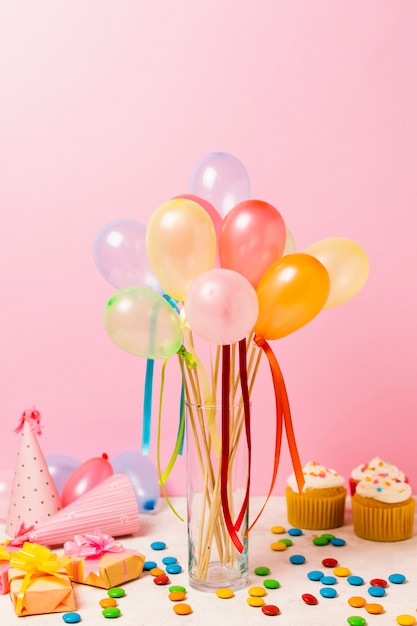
(252, 238)
(221, 306)
(85, 477)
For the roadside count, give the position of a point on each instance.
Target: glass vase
(216, 557)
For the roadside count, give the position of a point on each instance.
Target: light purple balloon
(143, 475)
(61, 467)
(222, 179)
(120, 255)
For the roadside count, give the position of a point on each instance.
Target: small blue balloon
(143, 476)
(61, 467)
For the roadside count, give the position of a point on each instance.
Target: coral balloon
(347, 264)
(181, 244)
(291, 293)
(120, 255)
(61, 467)
(85, 477)
(220, 178)
(143, 476)
(252, 238)
(221, 306)
(142, 322)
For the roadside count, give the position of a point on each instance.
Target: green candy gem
(328, 536)
(262, 571)
(116, 592)
(320, 541)
(111, 612)
(356, 620)
(271, 583)
(177, 588)
(287, 542)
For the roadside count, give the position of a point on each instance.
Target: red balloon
(85, 477)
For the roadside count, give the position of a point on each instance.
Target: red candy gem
(378, 582)
(161, 580)
(329, 562)
(270, 609)
(309, 598)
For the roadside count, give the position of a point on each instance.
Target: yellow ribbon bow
(4, 554)
(35, 560)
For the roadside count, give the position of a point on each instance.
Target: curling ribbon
(33, 417)
(282, 411)
(147, 408)
(225, 457)
(36, 560)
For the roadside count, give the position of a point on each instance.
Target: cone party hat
(111, 506)
(34, 496)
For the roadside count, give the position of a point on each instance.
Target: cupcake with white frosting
(378, 467)
(321, 504)
(383, 509)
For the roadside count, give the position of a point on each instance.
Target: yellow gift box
(39, 582)
(100, 561)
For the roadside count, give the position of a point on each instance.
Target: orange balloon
(347, 264)
(291, 292)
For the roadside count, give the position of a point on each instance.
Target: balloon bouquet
(216, 265)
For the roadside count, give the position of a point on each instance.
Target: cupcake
(375, 466)
(321, 504)
(383, 509)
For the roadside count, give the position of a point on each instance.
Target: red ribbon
(246, 406)
(283, 415)
(33, 417)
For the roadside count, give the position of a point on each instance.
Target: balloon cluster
(227, 260)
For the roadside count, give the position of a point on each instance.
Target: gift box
(97, 559)
(4, 568)
(39, 582)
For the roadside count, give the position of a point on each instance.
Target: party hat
(34, 496)
(110, 506)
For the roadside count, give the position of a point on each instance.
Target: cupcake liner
(382, 522)
(315, 513)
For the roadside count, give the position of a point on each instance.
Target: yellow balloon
(290, 293)
(347, 264)
(181, 244)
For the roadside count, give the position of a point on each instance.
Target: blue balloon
(61, 467)
(143, 476)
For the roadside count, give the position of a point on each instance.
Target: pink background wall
(106, 106)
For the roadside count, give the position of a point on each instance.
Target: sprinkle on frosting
(387, 491)
(317, 476)
(377, 466)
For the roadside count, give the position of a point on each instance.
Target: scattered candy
(357, 602)
(224, 593)
(111, 612)
(278, 546)
(315, 575)
(158, 545)
(295, 532)
(271, 583)
(105, 603)
(297, 559)
(330, 562)
(405, 620)
(320, 541)
(71, 618)
(378, 582)
(262, 571)
(148, 565)
(355, 580)
(270, 609)
(163, 579)
(341, 571)
(182, 609)
(374, 609)
(177, 588)
(174, 568)
(176, 596)
(309, 598)
(337, 541)
(169, 560)
(256, 592)
(278, 530)
(356, 620)
(116, 592)
(327, 536)
(328, 592)
(396, 579)
(255, 601)
(328, 580)
(287, 542)
(376, 592)
(156, 571)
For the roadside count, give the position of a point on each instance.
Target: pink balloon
(252, 238)
(85, 477)
(221, 306)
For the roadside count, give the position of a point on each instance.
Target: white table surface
(147, 603)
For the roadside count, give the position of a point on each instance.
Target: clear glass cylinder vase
(216, 557)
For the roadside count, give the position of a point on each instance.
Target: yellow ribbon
(35, 560)
(4, 554)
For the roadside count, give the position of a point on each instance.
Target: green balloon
(140, 321)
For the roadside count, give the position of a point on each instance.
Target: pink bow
(94, 544)
(33, 417)
(21, 535)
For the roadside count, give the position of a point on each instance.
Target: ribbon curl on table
(33, 417)
(36, 560)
